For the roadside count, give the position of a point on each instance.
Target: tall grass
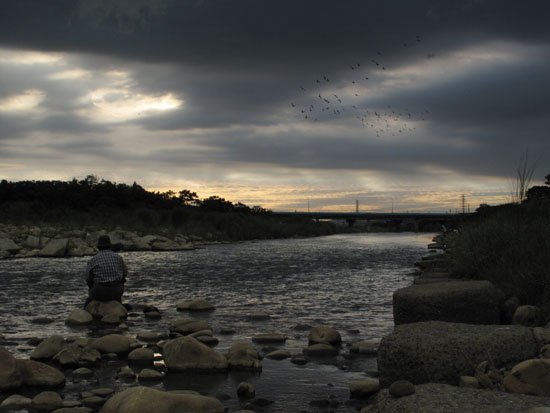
(509, 247)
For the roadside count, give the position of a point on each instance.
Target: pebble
(126, 373)
(150, 375)
(83, 372)
(246, 390)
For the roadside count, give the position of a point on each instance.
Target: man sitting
(105, 273)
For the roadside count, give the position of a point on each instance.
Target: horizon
(404, 106)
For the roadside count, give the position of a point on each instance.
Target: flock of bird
(319, 102)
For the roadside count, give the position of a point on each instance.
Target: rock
(433, 397)
(369, 347)
(474, 302)
(42, 320)
(126, 373)
(147, 400)
(38, 374)
(442, 352)
(528, 315)
(364, 388)
(78, 248)
(401, 388)
(545, 352)
(541, 409)
(243, 356)
(150, 375)
(100, 309)
(508, 310)
(187, 326)
(487, 375)
(79, 317)
(202, 333)
(324, 335)
(278, 355)
(269, 338)
(151, 337)
(542, 335)
(320, 350)
(9, 246)
(94, 402)
(15, 402)
(529, 377)
(299, 360)
(83, 372)
(10, 376)
(112, 319)
(152, 315)
(47, 400)
(48, 348)
(196, 304)
(468, 381)
(246, 390)
(258, 316)
(208, 340)
(56, 247)
(103, 391)
(74, 355)
(189, 354)
(112, 343)
(141, 355)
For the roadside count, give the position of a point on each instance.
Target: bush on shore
(508, 245)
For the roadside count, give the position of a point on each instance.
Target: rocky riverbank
(117, 371)
(462, 345)
(26, 241)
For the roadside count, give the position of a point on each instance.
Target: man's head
(104, 243)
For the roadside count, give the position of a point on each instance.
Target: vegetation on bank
(508, 245)
(94, 203)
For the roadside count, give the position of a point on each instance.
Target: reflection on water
(344, 280)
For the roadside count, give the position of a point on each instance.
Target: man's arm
(89, 275)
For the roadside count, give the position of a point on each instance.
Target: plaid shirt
(106, 267)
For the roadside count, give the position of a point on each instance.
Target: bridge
(416, 221)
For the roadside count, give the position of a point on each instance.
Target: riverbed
(345, 281)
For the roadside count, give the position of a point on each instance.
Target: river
(345, 281)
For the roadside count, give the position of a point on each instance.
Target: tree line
(91, 193)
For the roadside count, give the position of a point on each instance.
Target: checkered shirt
(106, 267)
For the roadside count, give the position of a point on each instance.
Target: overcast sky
(275, 103)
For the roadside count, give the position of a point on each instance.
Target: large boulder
(48, 348)
(189, 354)
(8, 245)
(243, 356)
(435, 397)
(441, 352)
(38, 374)
(112, 343)
(324, 335)
(529, 377)
(475, 302)
(147, 400)
(56, 247)
(528, 315)
(100, 309)
(10, 376)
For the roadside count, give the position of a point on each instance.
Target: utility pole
(463, 203)
(356, 206)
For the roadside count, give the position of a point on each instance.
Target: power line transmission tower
(463, 203)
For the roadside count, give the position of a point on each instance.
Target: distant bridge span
(372, 215)
(416, 221)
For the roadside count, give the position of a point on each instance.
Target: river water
(345, 281)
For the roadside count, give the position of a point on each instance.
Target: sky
(403, 104)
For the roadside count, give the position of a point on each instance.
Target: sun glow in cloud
(25, 101)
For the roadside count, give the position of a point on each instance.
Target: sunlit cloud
(23, 57)
(71, 74)
(25, 101)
